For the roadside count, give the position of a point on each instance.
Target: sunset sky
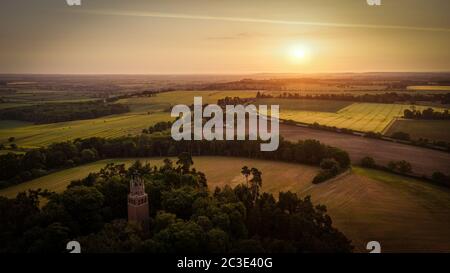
(223, 36)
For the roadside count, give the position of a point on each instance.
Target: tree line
(426, 114)
(59, 112)
(388, 97)
(185, 217)
(17, 168)
(403, 167)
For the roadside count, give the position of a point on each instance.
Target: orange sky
(212, 36)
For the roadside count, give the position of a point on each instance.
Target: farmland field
(144, 112)
(306, 104)
(167, 99)
(429, 88)
(12, 124)
(430, 129)
(366, 205)
(148, 110)
(375, 117)
(31, 97)
(423, 161)
(31, 136)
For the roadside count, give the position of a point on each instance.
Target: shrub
(400, 166)
(88, 155)
(373, 135)
(330, 168)
(401, 136)
(368, 162)
(323, 176)
(331, 165)
(440, 178)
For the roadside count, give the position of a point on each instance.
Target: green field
(430, 129)
(12, 124)
(402, 214)
(31, 97)
(31, 136)
(375, 117)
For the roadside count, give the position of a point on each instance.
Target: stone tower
(138, 211)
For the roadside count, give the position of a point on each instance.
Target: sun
(298, 53)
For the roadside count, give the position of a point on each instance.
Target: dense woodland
(16, 168)
(59, 112)
(184, 216)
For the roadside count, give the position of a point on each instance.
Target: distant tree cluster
(158, 127)
(59, 112)
(184, 216)
(428, 114)
(404, 167)
(16, 168)
(399, 167)
(233, 101)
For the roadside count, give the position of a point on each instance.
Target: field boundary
(388, 126)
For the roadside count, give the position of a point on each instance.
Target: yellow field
(403, 214)
(167, 99)
(429, 88)
(365, 117)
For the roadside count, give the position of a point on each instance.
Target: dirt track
(423, 161)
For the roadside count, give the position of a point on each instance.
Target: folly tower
(138, 211)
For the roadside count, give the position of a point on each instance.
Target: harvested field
(424, 161)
